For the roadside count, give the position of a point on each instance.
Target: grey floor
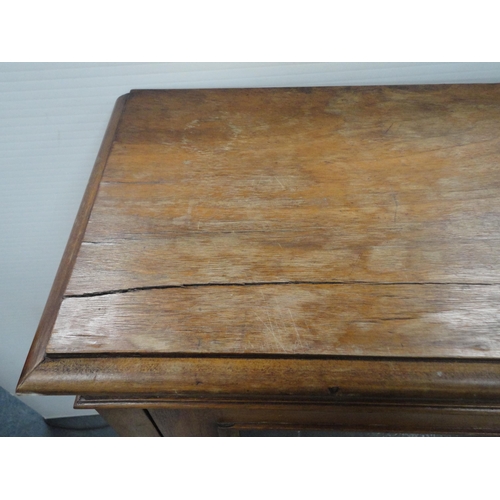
(19, 420)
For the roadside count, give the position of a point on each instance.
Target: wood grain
(318, 256)
(390, 184)
(342, 319)
(170, 381)
(359, 187)
(375, 418)
(229, 420)
(474, 422)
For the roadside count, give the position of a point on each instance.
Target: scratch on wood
(296, 330)
(151, 328)
(395, 197)
(269, 329)
(283, 323)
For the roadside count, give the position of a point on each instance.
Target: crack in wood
(268, 283)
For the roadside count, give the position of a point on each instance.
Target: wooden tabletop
(284, 242)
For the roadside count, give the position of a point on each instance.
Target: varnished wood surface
(335, 246)
(205, 423)
(338, 319)
(229, 420)
(316, 188)
(167, 379)
(208, 420)
(367, 184)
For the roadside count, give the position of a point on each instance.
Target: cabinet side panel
(130, 422)
(186, 423)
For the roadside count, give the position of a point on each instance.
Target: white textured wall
(52, 119)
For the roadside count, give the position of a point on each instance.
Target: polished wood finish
(220, 379)
(332, 246)
(228, 419)
(367, 418)
(457, 321)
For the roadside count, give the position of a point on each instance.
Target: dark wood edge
(426, 426)
(37, 350)
(203, 403)
(227, 421)
(231, 431)
(219, 379)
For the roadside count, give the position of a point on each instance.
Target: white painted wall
(52, 120)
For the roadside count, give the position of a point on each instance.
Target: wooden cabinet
(285, 258)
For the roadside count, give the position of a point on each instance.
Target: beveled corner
(36, 353)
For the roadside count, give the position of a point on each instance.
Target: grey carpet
(19, 420)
